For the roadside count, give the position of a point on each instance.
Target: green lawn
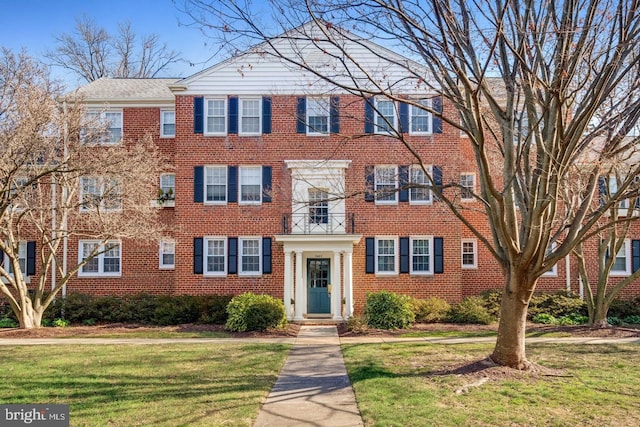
(418, 385)
(144, 385)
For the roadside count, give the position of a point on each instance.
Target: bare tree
(91, 52)
(527, 82)
(50, 155)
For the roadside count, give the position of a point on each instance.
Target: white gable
(261, 71)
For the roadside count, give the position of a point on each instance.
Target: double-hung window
(167, 254)
(318, 206)
(250, 256)
(420, 118)
(250, 184)
(385, 116)
(100, 193)
(215, 255)
(613, 189)
(112, 119)
(317, 116)
(105, 260)
(167, 186)
(622, 264)
(420, 192)
(215, 183)
(167, 123)
(216, 116)
(250, 116)
(469, 253)
(421, 255)
(467, 186)
(386, 255)
(386, 184)
(22, 260)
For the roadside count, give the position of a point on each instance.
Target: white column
(301, 300)
(288, 283)
(336, 288)
(348, 285)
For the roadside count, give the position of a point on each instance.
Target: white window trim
(241, 101)
(473, 266)
(376, 115)
(429, 201)
(396, 255)
(100, 257)
(162, 122)
(226, 186)
(554, 270)
(310, 131)
(473, 188)
(431, 256)
(429, 118)
(206, 132)
(6, 262)
(205, 255)
(102, 117)
(241, 240)
(161, 252)
(375, 185)
(249, 202)
(627, 252)
(171, 202)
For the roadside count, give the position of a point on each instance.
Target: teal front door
(318, 297)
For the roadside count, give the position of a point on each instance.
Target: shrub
(251, 312)
(430, 310)
(545, 319)
(174, 310)
(6, 322)
(74, 307)
(213, 309)
(558, 305)
(112, 309)
(614, 321)
(622, 308)
(143, 308)
(632, 320)
(357, 324)
(60, 323)
(470, 310)
(387, 310)
(492, 300)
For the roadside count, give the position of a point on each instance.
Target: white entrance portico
(318, 238)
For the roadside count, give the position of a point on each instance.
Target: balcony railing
(305, 223)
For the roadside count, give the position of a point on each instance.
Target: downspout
(567, 266)
(53, 230)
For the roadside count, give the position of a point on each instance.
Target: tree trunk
(598, 316)
(28, 318)
(510, 346)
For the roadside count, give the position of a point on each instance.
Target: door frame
(308, 287)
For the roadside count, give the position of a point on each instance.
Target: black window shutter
(403, 174)
(368, 115)
(1, 256)
(233, 114)
(334, 114)
(198, 114)
(369, 177)
(232, 259)
(404, 117)
(635, 255)
(266, 184)
(436, 104)
(301, 115)
(266, 114)
(31, 258)
(232, 184)
(438, 255)
(198, 184)
(198, 259)
(602, 189)
(266, 255)
(370, 257)
(436, 173)
(404, 255)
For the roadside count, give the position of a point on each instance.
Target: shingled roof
(128, 90)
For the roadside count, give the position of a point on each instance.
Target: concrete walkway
(313, 388)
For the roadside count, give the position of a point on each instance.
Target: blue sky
(33, 24)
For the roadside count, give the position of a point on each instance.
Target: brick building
(282, 184)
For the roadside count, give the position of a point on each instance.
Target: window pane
(216, 184)
(318, 115)
(468, 253)
(385, 118)
(420, 119)
(250, 184)
(92, 266)
(112, 259)
(89, 192)
(421, 257)
(250, 255)
(114, 120)
(422, 192)
(168, 123)
(216, 256)
(168, 182)
(386, 180)
(216, 116)
(318, 206)
(167, 252)
(620, 264)
(250, 116)
(386, 255)
(467, 184)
